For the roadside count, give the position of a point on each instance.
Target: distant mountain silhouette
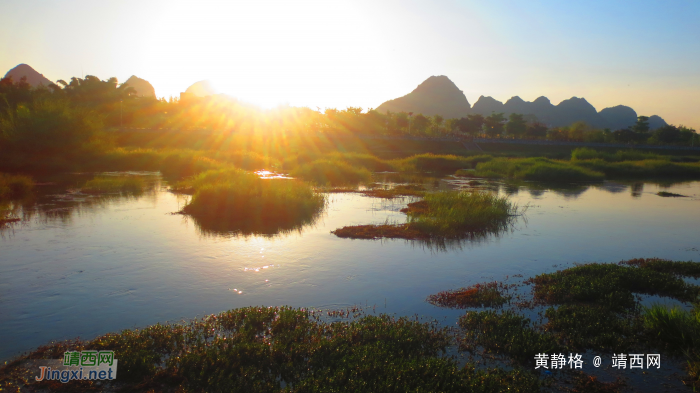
(34, 78)
(201, 89)
(437, 95)
(143, 87)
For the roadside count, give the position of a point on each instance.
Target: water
(84, 266)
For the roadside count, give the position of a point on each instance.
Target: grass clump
(233, 200)
(112, 184)
(505, 333)
(332, 172)
(584, 153)
(670, 194)
(479, 295)
(258, 349)
(445, 215)
(642, 169)
(536, 169)
(439, 163)
(15, 186)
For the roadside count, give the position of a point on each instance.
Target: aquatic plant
(439, 163)
(103, 184)
(670, 194)
(584, 153)
(261, 349)
(444, 214)
(505, 332)
(478, 295)
(642, 169)
(15, 186)
(232, 200)
(537, 169)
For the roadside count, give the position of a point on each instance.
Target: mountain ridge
(428, 100)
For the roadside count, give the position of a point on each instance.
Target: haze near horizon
(339, 54)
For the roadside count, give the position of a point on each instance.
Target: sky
(333, 54)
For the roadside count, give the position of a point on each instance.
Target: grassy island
(446, 214)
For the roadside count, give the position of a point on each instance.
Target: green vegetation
(104, 184)
(439, 163)
(257, 349)
(670, 194)
(589, 307)
(489, 294)
(233, 200)
(14, 186)
(538, 169)
(334, 173)
(447, 215)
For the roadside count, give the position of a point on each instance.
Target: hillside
(437, 95)
(34, 78)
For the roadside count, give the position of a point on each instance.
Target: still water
(81, 266)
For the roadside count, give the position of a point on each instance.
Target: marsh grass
(491, 294)
(536, 169)
(259, 349)
(235, 201)
(452, 213)
(15, 186)
(584, 153)
(592, 307)
(444, 215)
(439, 163)
(656, 168)
(670, 194)
(505, 332)
(332, 172)
(113, 184)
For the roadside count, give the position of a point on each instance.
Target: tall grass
(102, 184)
(642, 168)
(445, 163)
(452, 213)
(15, 186)
(584, 153)
(233, 200)
(330, 172)
(678, 329)
(537, 169)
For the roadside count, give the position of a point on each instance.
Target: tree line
(77, 114)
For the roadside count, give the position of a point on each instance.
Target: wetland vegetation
(444, 215)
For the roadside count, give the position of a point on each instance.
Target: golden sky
(643, 54)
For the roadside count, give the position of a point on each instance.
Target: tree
(516, 125)
(666, 135)
(536, 130)
(437, 124)
(420, 123)
(451, 125)
(493, 124)
(642, 125)
(402, 121)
